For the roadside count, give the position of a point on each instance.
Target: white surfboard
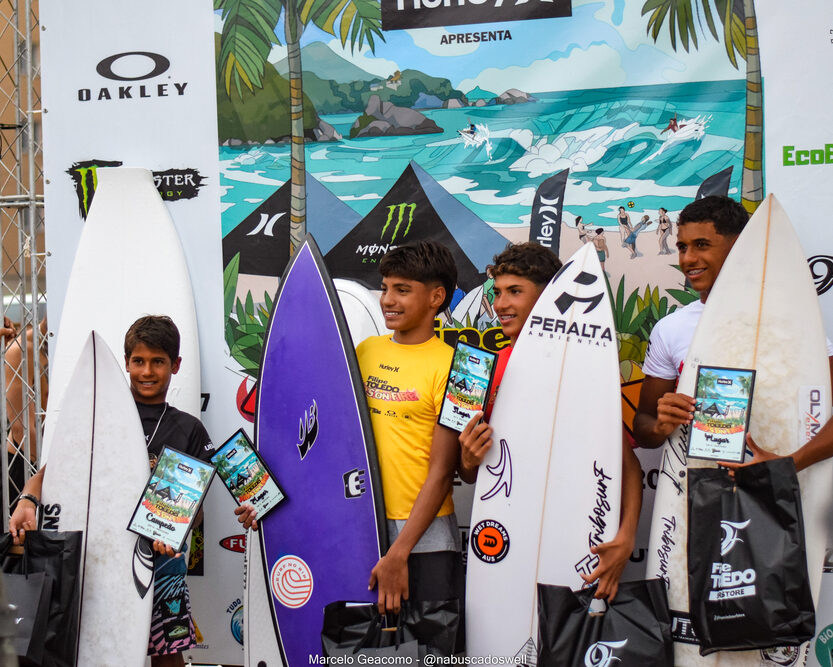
(551, 484)
(96, 474)
(762, 313)
(129, 263)
(361, 310)
(257, 603)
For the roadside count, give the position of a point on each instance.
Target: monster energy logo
(173, 184)
(397, 215)
(392, 213)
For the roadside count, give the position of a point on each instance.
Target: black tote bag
(747, 565)
(427, 625)
(57, 554)
(634, 630)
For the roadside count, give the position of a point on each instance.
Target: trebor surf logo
(603, 654)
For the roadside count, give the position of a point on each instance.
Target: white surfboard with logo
(551, 484)
(129, 263)
(97, 471)
(762, 313)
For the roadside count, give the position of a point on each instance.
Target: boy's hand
(475, 441)
(613, 556)
(391, 574)
(672, 411)
(162, 548)
(247, 515)
(23, 519)
(758, 456)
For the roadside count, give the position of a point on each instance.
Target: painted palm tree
(248, 35)
(740, 38)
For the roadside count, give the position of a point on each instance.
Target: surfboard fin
(142, 566)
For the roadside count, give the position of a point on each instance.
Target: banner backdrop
(564, 123)
(122, 87)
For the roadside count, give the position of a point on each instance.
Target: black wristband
(30, 498)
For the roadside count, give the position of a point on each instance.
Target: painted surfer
(625, 227)
(151, 355)
(582, 230)
(521, 273)
(673, 126)
(601, 246)
(664, 232)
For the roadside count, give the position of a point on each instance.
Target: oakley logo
(730, 535)
(160, 65)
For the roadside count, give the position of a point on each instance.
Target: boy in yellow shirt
(404, 376)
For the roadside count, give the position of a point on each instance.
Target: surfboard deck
(762, 313)
(95, 477)
(313, 430)
(129, 263)
(551, 484)
(361, 310)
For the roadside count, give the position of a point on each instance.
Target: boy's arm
(391, 572)
(660, 411)
(25, 513)
(614, 555)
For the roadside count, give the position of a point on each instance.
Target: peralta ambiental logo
(132, 76)
(582, 332)
(395, 230)
(173, 184)
(399, 14)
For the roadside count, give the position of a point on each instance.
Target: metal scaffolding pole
(22, 259)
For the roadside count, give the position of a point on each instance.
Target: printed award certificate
(722, 402)
(246, 475)
(469, 381)
(172, 498)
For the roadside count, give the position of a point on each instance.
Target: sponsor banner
(798, 143)
(122, 87)
(399, 14)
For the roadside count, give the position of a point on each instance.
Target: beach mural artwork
(576, 122)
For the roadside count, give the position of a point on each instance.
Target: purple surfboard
(312, 427)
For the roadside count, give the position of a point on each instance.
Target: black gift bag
(421, 627)
(635, 629)
(57, 554)
(747, 568)
(28, 598)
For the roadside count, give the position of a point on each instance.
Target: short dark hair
(425, 261)
(157, 332)
(528, 260)
(729, 217)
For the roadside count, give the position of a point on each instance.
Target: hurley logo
(601, 654)
(730, 535)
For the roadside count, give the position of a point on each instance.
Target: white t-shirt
(671, 338)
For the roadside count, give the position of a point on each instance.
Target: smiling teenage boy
(521, 273)
(404, 375)
(706, 231)
(151, 354)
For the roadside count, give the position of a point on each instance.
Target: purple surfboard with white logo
(313, 430)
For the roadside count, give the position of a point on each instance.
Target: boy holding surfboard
(404, 375)
(151, 354)
(707, 231)
(521, 272)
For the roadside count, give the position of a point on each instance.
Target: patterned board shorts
(171, 626)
